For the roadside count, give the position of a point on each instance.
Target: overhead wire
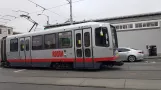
(49, 9)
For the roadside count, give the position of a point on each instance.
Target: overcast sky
(84, 9)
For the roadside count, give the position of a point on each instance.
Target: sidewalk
(153, 57)
(86, 82)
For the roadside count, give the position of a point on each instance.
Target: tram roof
(76, 26)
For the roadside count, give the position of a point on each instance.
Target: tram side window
(37, 43)
(27, 45)
(13, 45)
(87, 39)
(65, 40)
(50, 41)
(22, 45)
(78, 40)
(101, 37)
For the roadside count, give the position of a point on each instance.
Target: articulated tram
(82, 46)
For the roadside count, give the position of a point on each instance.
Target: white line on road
(19, 70)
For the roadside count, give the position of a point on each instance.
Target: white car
(130, 54)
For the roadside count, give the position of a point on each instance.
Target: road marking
(19, 70)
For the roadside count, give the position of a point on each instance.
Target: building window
(50, 41)
(37, 42)
(138, 25)
(13, 45)
(9, 31)
(65, 40)
(146, 24)
(101, 37)
(156, 23)
(120, 26)
(124, 26)
(117, 27)
(130, 26)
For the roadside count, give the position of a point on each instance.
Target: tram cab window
(65, 40)
(13, 45)
(50, 41)
(101, 37)
(37, 42)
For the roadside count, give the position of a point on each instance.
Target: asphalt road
(146, 70)
(14, 86)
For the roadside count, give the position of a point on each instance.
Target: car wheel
(131, 58)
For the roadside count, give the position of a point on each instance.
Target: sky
(82, 10)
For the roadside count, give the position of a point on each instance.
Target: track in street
(135, 70)
(16, 86)
(145, 70)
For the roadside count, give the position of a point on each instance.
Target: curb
(96, 83)
(152, 58)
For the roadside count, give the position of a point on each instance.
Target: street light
(47, 18)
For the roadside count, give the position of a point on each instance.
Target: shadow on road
(76, 70)
(135, 61)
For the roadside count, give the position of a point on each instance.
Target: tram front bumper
(118, 63)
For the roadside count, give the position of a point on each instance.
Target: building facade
(5, 31)
(139, 31)
(135, 31)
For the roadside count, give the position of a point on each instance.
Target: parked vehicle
(130, 54)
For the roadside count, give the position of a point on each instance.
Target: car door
(123, 53)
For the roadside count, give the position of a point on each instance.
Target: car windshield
(134, 49)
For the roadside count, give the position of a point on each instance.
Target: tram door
(25, 51)
(83, 49)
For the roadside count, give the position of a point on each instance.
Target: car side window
(123, 50)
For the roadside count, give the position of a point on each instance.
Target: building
(5, 31)
(136, 31)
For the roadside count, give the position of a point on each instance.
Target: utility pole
(47, 18)
(71, 17)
